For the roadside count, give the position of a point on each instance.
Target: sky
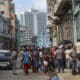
(24, 5)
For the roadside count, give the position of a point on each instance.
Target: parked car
(5, 58)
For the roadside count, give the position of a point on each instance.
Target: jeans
(14, 67)
(60, 65)
(74, 66)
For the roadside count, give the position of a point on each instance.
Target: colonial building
(7, 9)
(50, 23)
(5, 36)
(62, 9)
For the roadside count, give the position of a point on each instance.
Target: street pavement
(68, 76)
(7, 75)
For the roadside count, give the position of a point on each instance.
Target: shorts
(45, 63)
(26, 66)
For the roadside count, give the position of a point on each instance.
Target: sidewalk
(68, 76)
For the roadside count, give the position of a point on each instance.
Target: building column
(74, 23)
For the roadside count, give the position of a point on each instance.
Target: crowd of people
(48, 59)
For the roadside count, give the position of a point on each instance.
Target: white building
(43, 40)
(26, 37)
(35, 21)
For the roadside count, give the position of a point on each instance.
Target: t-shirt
(14, 55)
(25, 57)
(73, 53)
(59, 54)
(67, 52)
(40, 54)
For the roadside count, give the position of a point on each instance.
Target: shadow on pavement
(5, 68)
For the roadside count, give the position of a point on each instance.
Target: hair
(78, 40)
(25, 49)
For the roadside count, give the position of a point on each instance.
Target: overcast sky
(23, 5)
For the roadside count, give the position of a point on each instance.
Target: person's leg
(27, 67)
(74, 66)
(14, 68)
(53, 66)
(49, 66)
(79, 69)
(58, 64)
(62, 65)
(45, 69)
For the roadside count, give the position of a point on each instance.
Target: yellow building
(7, 9)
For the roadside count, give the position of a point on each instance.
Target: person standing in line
(59, 58)
(26, 60)
(14, 60)
(73, 55)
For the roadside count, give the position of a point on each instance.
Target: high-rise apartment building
(35, 21)
(26, 37)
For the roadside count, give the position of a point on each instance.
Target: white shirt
(67, 53)
(14, 53)
(41, 54)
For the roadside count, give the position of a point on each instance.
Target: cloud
(40, 4)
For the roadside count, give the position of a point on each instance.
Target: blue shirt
(25, 57)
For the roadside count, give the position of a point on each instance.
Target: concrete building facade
(7, 9)
(26, 37)
(62, 9)
(50, 23)
(34, 20)
(43, 40)
(5, 36)
(76, 19)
